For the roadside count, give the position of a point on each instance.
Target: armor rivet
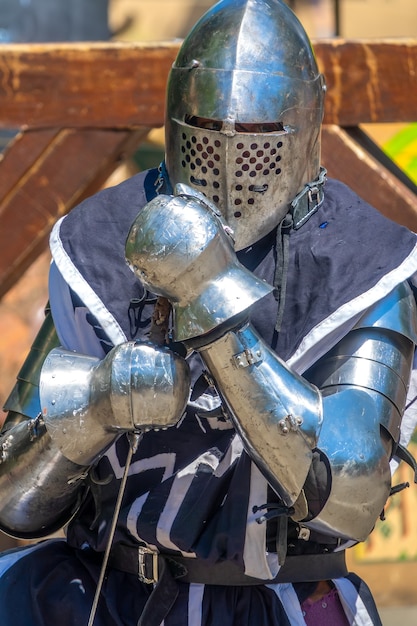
(283, 426)
(304, 534)
(53, 402)
(299, 420)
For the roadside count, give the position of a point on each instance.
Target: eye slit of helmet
(240, 127)
(261, 127)
(203, 122)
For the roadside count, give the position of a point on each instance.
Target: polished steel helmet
(243, 115)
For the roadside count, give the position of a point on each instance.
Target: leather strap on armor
(308, 200)
(147, 564)
(164, 570)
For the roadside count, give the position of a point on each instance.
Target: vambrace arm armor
(276, 412)
(82, 405)
(346, 411)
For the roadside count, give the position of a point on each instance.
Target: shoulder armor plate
(397, 312)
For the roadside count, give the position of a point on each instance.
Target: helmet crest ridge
(244, 111)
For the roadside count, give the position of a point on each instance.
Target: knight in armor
(216, 401)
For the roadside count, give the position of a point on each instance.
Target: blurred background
(388, 561)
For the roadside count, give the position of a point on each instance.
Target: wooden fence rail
(81, 109)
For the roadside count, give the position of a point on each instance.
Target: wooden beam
(369, 80)
(345, 160)
(83, 84)
(63, 167)
(119, 85)
(22, 151)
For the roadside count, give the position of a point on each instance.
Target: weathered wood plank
(94, 87)
(369, 80)
(78, 85)
(346, 160)
(123, 84)
(72, 165)
(22, 151)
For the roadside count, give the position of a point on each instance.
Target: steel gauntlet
(181, 249)
(87, 403)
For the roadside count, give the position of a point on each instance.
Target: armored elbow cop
(364, 381)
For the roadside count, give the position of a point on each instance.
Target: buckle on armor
(148, 570)
(308, 200)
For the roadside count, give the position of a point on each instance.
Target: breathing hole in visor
(254, 163)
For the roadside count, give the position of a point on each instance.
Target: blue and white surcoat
(193, 490)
